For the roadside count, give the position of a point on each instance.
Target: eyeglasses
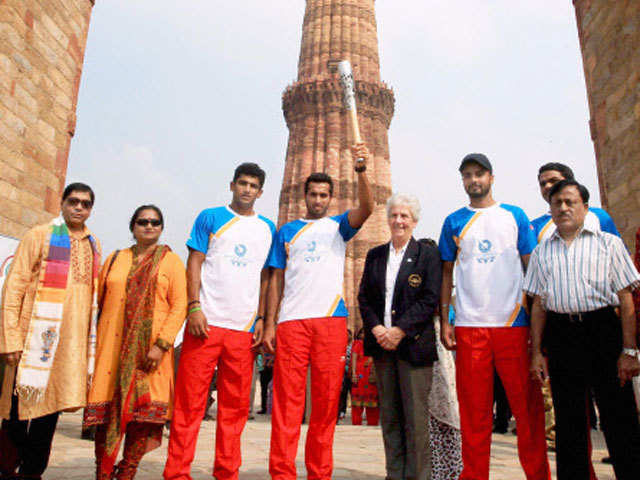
(143, 222)
(73, 201)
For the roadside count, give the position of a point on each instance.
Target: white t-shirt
(312, 254)
(236, 249)
(486, 244)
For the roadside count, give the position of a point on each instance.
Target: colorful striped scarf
(44, 329)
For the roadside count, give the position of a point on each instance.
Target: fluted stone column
(610, 42)
(319, 135)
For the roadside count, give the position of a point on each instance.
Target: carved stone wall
(42, 44)
(319, 135)
(610, 41)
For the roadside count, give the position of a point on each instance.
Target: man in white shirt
(544, 227)
(227, 281)
(305, 293)
(488, 243)
(578, 277)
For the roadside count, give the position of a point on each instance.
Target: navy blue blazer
(415, 300)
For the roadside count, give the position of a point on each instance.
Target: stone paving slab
(358, 454)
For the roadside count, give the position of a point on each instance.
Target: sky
(174, 95)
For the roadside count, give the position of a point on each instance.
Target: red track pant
(321, 343)
(231, 351)
(478, 351)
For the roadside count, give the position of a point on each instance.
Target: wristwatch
(632, 352)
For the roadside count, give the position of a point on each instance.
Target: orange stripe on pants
(231, 351)
(478, 351)
(321, 343)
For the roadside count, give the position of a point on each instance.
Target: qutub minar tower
(319, 135)
(42, 45)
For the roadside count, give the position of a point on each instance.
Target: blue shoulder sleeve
(272, 228)
(202, 228)
(278, 255)
(606, 222)
(346, 230)
(539, 223)
(447, 244)
(526, 237)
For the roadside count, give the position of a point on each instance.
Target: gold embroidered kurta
(67, 387)
(170, 309)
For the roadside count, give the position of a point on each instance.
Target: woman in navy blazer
(399, 294)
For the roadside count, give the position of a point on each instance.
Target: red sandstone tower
(42, 46)
(319, 137)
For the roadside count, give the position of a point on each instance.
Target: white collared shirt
(393, 267)
(583, 276)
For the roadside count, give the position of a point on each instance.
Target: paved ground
(358, 454)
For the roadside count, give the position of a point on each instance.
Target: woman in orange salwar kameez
(144, 303)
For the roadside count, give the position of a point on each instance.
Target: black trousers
(265, 377)
(583, 355)
(344, 393)
(32, 439)
(503, 411)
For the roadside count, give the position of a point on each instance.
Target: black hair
(318, 177)
(78, 187)
(584, 193)
(250, 169)
(139, 210)
(565, 171)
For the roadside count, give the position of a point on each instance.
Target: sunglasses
(143, 222)
(86, 204)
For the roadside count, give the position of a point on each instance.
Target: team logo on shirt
(311, 256)
(485, 248)
(240, 250)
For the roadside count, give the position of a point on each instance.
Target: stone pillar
(610, 42)
(319, 135)
(42, 44)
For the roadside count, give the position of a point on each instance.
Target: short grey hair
(404, 200)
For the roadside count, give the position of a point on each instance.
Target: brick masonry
(41, 54)
(610, 41)
(319, 135)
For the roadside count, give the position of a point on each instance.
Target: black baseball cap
(479, 158)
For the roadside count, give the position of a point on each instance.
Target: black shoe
(499, 429)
